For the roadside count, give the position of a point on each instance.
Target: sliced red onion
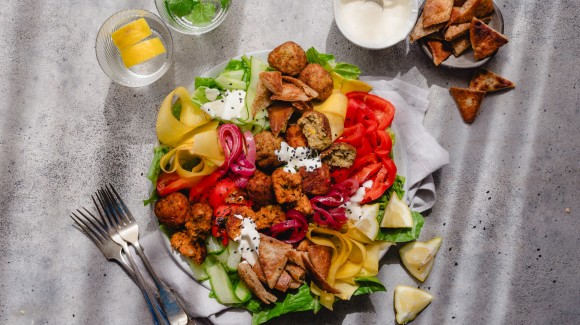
(297, 224)
(242, 166)
(327, 208)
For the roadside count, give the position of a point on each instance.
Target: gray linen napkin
(424, 154)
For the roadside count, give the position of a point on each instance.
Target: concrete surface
(510, 253)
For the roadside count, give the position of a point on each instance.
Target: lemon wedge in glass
(142, 51)
(409, 302)
(397, 214)
(418, 257)
(131, 33)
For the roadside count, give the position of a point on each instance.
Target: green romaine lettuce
(368, 285)
(154, 171)
(401, 235)
(329, 64)
(300, 301)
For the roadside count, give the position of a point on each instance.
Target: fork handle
(151, 304)
(156, 312)
(168, 297)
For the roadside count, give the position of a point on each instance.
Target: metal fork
(126, 226)
(95, 230)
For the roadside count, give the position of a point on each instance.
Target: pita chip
(419, 31)
(436, 12)
(455, 11)
(485, 80)
(278, 114)
(438, 51)
(484, 39)
(272, 258)
(458, 3)
(460, 45)
(473, 8)
(454, 31)
(320, 256)
(468, 102)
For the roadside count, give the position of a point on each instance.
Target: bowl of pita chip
(461, 34)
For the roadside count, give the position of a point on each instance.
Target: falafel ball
(318, 79)
(266, 144)
(316, 129)
(260, 189)
(294, 137)
(198, 222)
(172, 210)
(187, 246)
(288, 58)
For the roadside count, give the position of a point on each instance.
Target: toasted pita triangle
(436, 12)
(485, 80)
(484, 39)
(273, 258)
(455, 11)
(458, 3)
(419, 31)
(468, 102)
(473, 8)
(460, 45)
(278, 114)
(438, 51)
(454, 31)
(320, 256)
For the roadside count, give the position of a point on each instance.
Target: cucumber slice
(198, 271)
(242, 292)
(213, 245)
(221, 284)
(223, 256)
(231, 80)
(256, 66)
(235, 256)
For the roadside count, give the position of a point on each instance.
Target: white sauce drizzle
(297, 157)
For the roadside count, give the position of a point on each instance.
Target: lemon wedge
(409, 302)
(349, 85)
(368, 223)
(397, 214)
(418, 257)
(142, 51)
(131, 33)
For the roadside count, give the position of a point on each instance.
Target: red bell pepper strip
(168, 183)
(367, 118)
(384, 179)
(205, 185)
(353, 135)
(367, 172)
(384, 145)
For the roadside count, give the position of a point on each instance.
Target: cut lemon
(131, 33)
(397, 214)
(142, 51)
(409, 302)
(368, 223)
(349, 85)
(418, 257)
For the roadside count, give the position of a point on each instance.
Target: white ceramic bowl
(390, 36)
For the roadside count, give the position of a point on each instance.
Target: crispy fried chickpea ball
(288, 58)
(172, 210)
(318, 79)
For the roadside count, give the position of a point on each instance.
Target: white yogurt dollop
(365, 23)
(297, 157)
(249, 240)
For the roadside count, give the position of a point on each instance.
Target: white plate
(399, 152)
(466, 60)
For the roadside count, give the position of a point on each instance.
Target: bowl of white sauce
(375, 24)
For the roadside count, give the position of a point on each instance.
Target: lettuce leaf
(368, 284)
(154, 171)
(329, 64)
(401, 235)
(207, 82)
(300, 301)
(397, 187)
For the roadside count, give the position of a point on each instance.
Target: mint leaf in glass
(202, 13)
(181, 8)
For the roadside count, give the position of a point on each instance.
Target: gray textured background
(510, 253)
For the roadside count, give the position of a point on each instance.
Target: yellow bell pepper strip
(171, 131)
(188, 163)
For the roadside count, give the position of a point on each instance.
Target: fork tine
(89, 231)
(113, 221)
(99, 208)
(97, 226)
(125, 208)
(115, 208)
